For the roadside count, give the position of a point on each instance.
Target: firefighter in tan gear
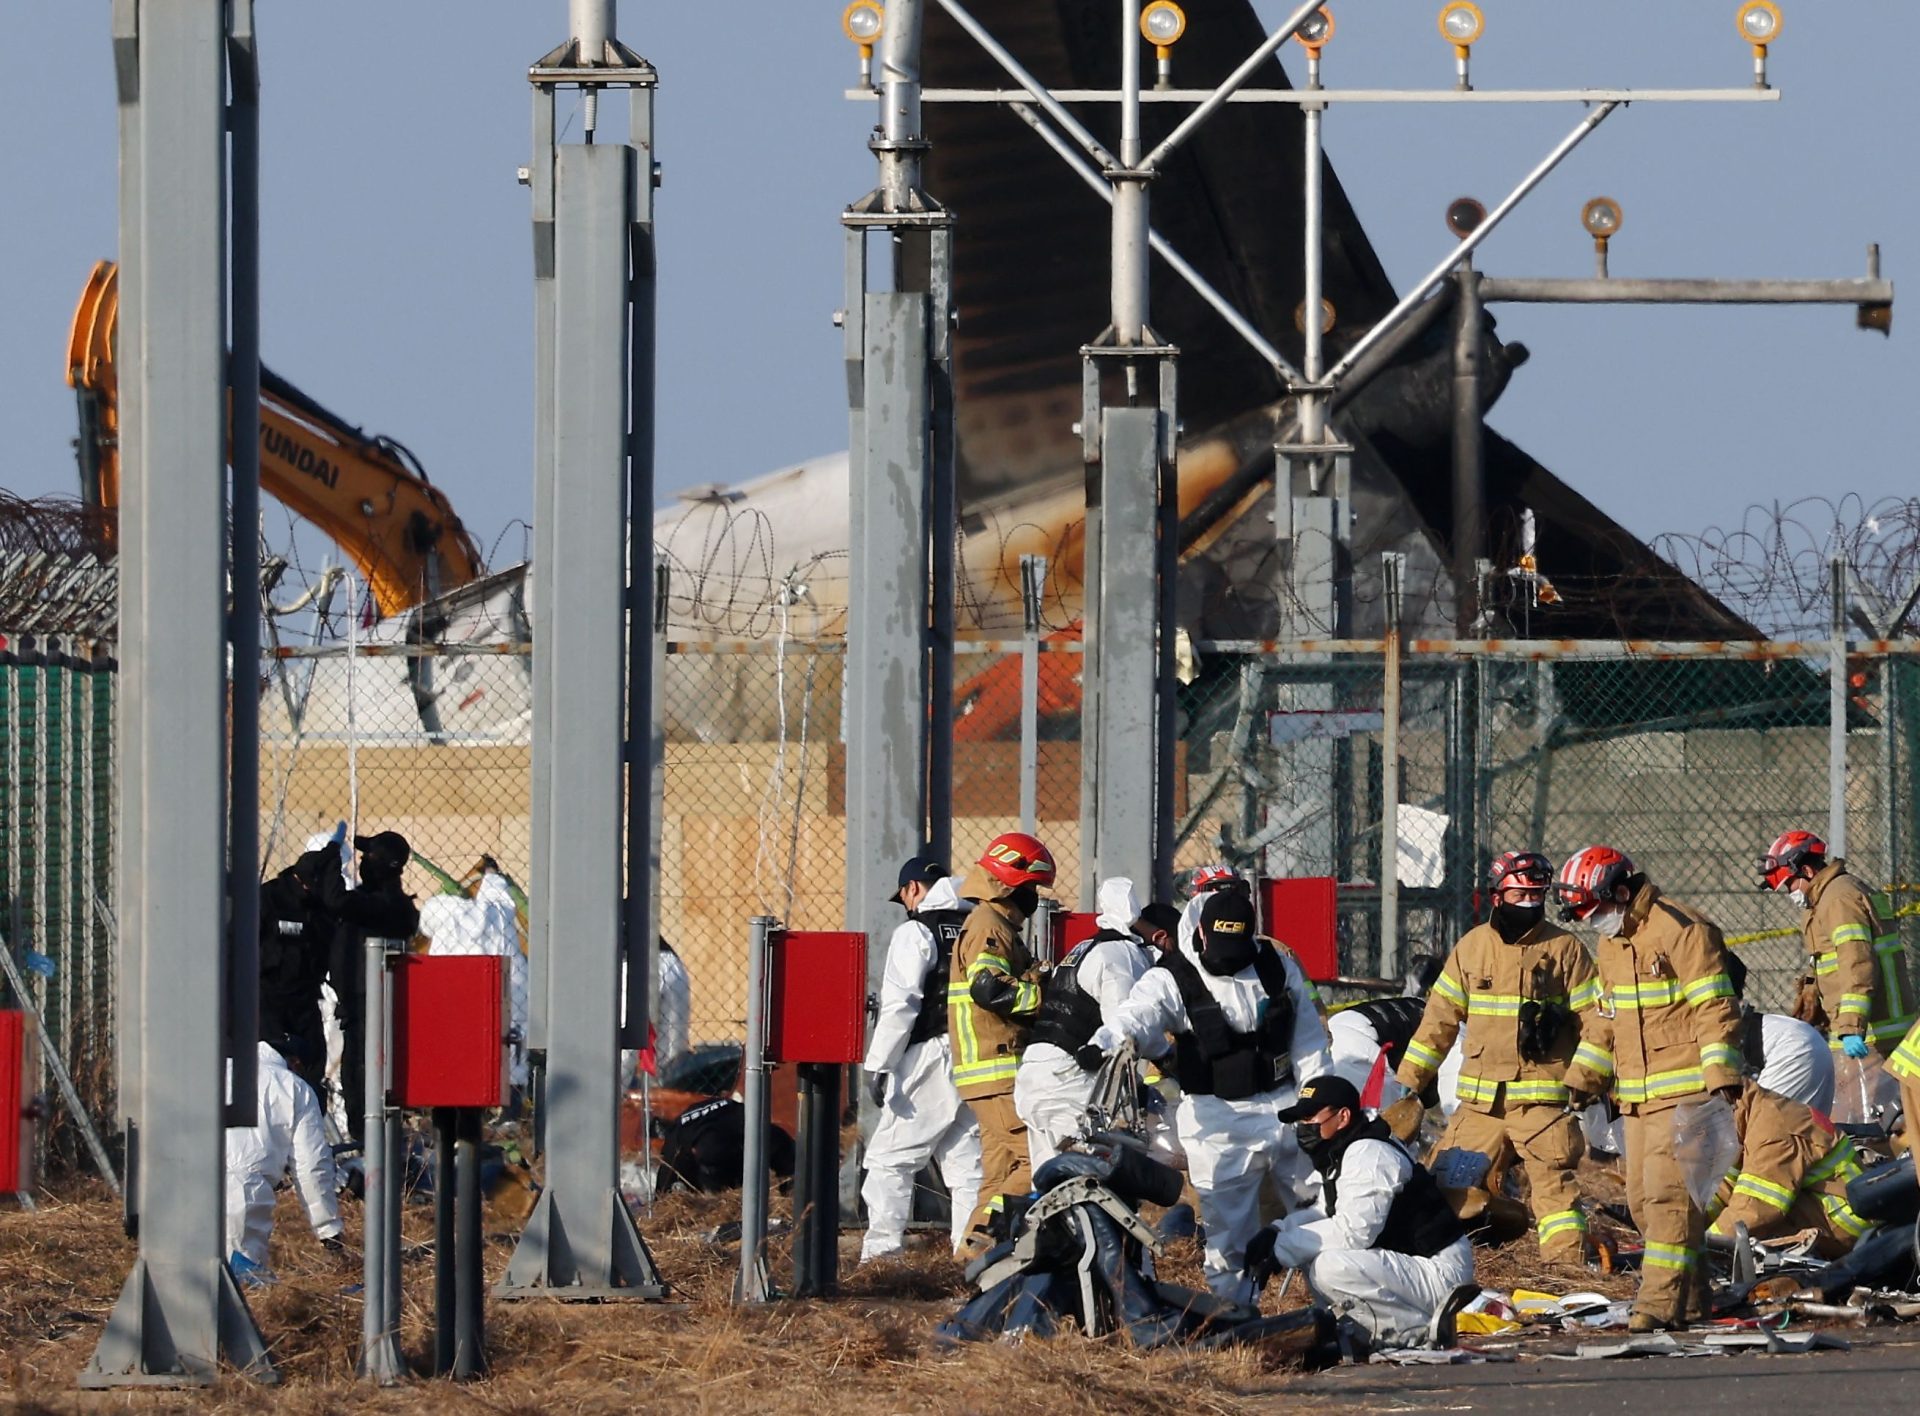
(1853, 948)
(1793, 1174)
(1519, 984)
(993, 996)
(1666, 1030)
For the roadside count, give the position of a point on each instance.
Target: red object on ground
(16, 1099)
(450, 1030)
(1069, 929)
(818, 996)
(1301, 914)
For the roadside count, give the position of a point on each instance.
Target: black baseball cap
(1325, 1090)
(389, 846)
(1158, 914)
(921, 870)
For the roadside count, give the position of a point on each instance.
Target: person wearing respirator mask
(1382, 1249)
(1856, 990)
(1521, 986)
(1246, 1037)
(1666, 1029)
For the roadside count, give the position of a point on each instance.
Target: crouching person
(1383, 1248)
(1794, 1169)
(287, 1133)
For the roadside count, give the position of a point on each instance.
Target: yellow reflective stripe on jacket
(1707, 988)
(1026, 992)
(1841, 1214)
(1451, 991)
(968, 1065)
(1905, 1061)
(1720, 1054)
(1594, 1058)
(1421, 1055)
(1654, 993)
(1764, 1190)
(1657, 1086)
(1824, 964)
(1852, 933)
(1494, 1005)
(1586, 995)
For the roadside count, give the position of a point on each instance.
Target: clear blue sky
(397, 274)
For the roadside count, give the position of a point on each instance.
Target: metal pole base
(382, 1363)
(138, 1347)
(543, 1266)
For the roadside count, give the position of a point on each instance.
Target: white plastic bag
(1706, 1143)
(1864, 1094)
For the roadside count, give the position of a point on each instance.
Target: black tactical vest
(1069, 1015)
(946, 926)
(1395, 1021)
(1210, 1058)
(1420, 1222)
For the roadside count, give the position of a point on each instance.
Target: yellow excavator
(365, 491)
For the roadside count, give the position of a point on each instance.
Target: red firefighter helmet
(1588, 880)
(1213, 877)
(1520, 868)
(1790, 851)
(1014, 859)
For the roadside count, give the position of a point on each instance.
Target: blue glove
(1854, 1047)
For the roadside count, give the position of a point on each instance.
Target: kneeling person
(1794, 1169)
(1383, 1247)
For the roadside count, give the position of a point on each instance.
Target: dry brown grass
(867, 1350)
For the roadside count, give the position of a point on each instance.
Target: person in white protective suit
(1383, 1248)
(484, 925)
(1246, 1035)
(1784, 1054)
(336, 1039)
(287, 1132)
(1368, 1039)
(673, 1018)
(1081, 992)
(909, 1066)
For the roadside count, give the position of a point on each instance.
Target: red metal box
(1069, 929)
(818, 996)
(19, 1075)
(1302, 915)
(450, 1017)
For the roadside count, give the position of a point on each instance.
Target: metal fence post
(1837, 716)
(1033, 581)
(752, 1284)
(1392, 567)
(380, 1360)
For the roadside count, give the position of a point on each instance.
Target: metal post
(1837, 716)
(470, 1342)
(1469, 469)
(902, 516)
(1130, 248)
(243, 632)
(540, 180)
(816, 1190)
(751, 1285)
(380, 1360)
(1033, 581)
(444, 1241)
(179, 1314)
(1392, 567)
(1312, 411)
(590, 802)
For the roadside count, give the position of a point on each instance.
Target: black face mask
(1312, 1144)
(1025, 898)
(1510, 922)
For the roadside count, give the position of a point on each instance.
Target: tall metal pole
(1312, 410)
(1469, 468)
(591, 810)
(179, 1314)
(1392, 568)
(902, 513)
(1033, 580)
(1126, 766)
(380, 1360)
(1837, 715)
(751, 1285)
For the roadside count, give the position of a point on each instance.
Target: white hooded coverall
(1391, 1296)
(1232, 1147)
(1051, 1091)
(486, 924)
(923, 1118)
(287, 1131)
